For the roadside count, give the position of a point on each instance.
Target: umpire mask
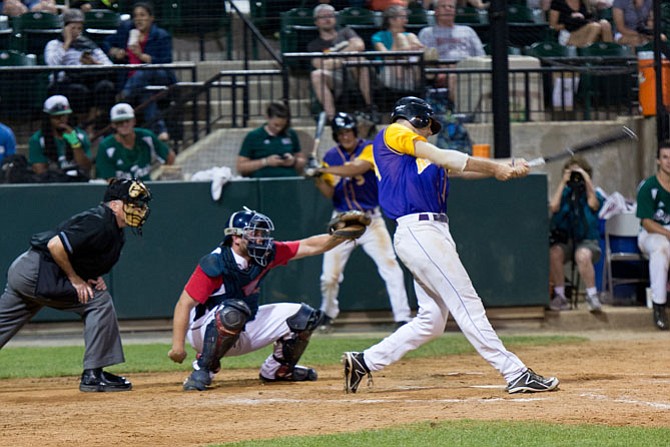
(135, 197)
(256, 229)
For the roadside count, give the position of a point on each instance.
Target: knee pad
(305, 319)
(232, 317)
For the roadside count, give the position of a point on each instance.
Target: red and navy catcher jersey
(218, 277)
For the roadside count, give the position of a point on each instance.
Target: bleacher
(237, 68)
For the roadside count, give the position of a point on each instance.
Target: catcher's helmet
(256, 229)
(343, 121)
(135, 196)
(417, 111)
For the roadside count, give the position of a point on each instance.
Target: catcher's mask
(418, 112)
(135, 197)
(343, 121)
(256, 229)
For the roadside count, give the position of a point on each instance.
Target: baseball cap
(57, 105)
(73, 15)
(121, 112)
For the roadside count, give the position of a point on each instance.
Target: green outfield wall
(500, 230)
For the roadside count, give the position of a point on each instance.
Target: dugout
(500, 229)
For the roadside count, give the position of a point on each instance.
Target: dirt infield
(620, 381)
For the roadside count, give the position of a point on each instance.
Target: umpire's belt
(438, 217)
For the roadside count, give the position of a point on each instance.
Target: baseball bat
(624, 133)
(320, 125)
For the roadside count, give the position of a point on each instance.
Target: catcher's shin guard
(289, 349)
(222, 333)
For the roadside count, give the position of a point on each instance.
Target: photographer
(633, 21)
(574, 232)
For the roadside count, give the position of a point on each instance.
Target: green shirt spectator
(130, 151)
(59, 152)
(272, 150)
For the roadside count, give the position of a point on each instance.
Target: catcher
(218, 309)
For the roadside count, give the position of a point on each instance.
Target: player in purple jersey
(348, 179)
(413, 185)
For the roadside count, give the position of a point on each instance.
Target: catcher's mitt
(349, 225)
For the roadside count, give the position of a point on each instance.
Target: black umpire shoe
(97, 380)
(354, 371)
(661, 317)
(299, 374)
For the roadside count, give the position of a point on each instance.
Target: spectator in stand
(574, 232)
(383, 5)
(394, 37)
(86, 6)
(634, 22)
(453, 42)
(15, 8)
(59, 152)
(576, 24)
(141, 41)
(328, 77)
(7, 142)
(91, 94)
(272, 150)
(130, 151)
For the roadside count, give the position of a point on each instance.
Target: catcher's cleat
(197, 381)
(299, 374)
(97, 380)
(529, 382)
(354, 371)
(661, 317)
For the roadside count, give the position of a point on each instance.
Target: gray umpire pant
(18, 304)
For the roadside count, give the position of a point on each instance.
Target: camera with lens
(641, 29)
(576, 181)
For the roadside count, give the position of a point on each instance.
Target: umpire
(63, 270)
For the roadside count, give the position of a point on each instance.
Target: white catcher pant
(376, 243)
(268, 326)
(442, 286)
(657, 248)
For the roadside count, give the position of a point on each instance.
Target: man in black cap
(63, 270)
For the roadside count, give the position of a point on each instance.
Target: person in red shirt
(218, 309)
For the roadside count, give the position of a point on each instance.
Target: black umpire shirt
(92, 240)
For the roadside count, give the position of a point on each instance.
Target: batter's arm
(350, 169)
(180, 322)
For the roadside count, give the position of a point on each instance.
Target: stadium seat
(361, 20)
(609, 89)
(297, 30)
(525, 26)
(475, 19)
(5, 32)
(33, 30)
(417, 18)
(100, 23)
(21, 92)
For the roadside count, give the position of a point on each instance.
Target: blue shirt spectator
(141, 41)
(7, 142)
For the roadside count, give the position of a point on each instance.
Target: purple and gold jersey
(407, 184)
(356, 193)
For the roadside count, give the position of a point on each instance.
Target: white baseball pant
(442, 286)
(376, 243)
(657, 248)
(268, 326)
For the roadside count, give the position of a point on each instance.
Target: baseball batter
(413, 188)
(218, 309)
(348, 179)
